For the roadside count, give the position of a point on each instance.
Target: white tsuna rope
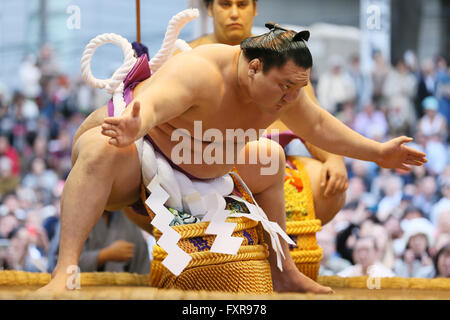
(113, 85)
(173, 30)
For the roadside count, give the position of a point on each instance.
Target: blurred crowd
(393, 223)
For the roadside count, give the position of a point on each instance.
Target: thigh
(325, 208)
(119, 165)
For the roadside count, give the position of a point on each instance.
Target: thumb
(404, 139)
(136, 109)
(323, 176)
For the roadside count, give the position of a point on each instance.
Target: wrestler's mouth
(280, 105)
(234, 25)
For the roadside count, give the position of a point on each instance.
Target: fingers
(114, 142)
(323, 177)
(404, 167)
(331, 187)
(414, 162)
(109, 133)
(414, 152)
(112, 120)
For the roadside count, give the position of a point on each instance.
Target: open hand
(395, 155)
(123, 130)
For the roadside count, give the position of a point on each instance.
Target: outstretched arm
(170, 92)
(320, 128)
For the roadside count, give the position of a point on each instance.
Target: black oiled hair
(277, 47)
(208, 2)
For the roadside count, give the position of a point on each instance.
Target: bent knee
(327, 208)
(267, 154)
(94, 150)
(264, 165)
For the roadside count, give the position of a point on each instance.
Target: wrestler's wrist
(378, 152)
(334, 158)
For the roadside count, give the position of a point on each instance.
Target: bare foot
(57, 286)
(292, 280)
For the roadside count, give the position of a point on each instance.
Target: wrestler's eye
(284, 86)
(225, 4)
(243, 5)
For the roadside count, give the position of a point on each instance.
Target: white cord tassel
(113, 85)
(173, 30)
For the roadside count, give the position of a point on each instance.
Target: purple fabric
(140, 49)
(138, 73)
(284, 137)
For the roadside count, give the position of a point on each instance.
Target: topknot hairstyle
(278, 46)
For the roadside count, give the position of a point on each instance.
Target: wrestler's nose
(234, 12)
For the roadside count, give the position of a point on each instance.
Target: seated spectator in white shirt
(433, 123)
(415, 261)
(367, 258)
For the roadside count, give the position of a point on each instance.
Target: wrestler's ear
(210, 5)
(255, 8)
(254, 67)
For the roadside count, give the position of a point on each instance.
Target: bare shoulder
(193, 70)
(206, 39)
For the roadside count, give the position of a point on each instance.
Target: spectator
(426, 197)
(115, 244)
(412, 213)
(47, 63)
(400, 82)
(361, 82)
(442, 262)
(356, 188)
(8, 181)
(21, 255)
(443, 87)
(335, 87)
(8, 223)
(398, 118)
(30, 75)
(331, 262)
(443, 204)
(371, 122)
(393, 195)
(432, 123)
(379, 74)
(426, 85)
(416, 261)
(367, 263)
(40, 176)
(18, 248)
(437, 154)
(347, 114)
(8, 151)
